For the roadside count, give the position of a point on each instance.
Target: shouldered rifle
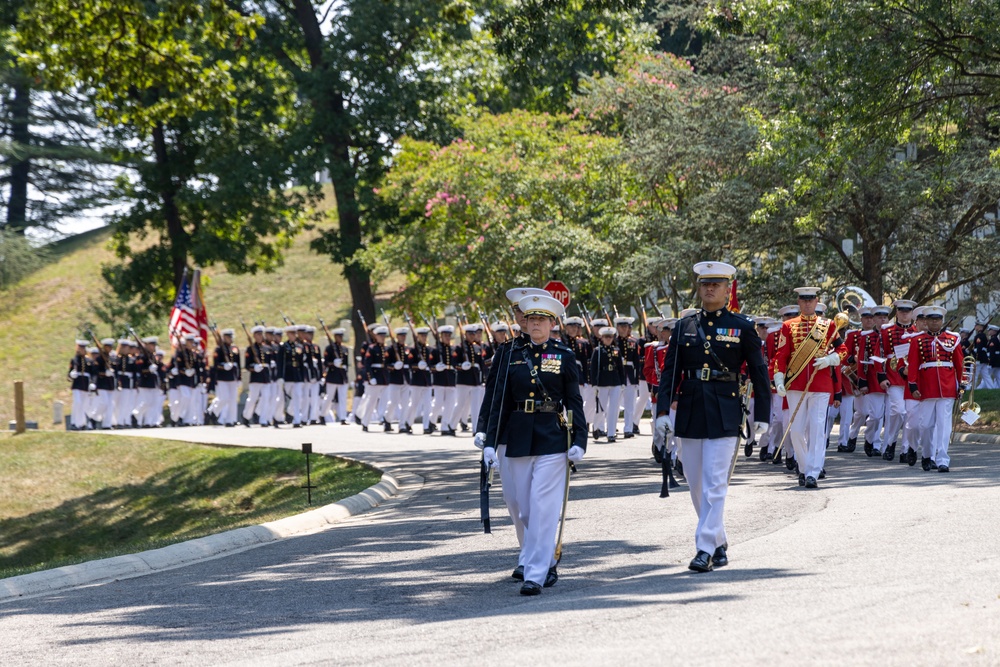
(329, 338)
(250, 343)
(586, 321)
(642, 314)
(486, 327)
(287, 321)
(364, 324)
(138, 341)
(214, 328)
(385, 318)
(607, 316)
(100, 348)
(432, 327)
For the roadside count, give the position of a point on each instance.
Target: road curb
(976, 438)
(208, 547)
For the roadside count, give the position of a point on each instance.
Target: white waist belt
(936, 364)
(377, 366)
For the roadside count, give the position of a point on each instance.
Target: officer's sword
(569, 466)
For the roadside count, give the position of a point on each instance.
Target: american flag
(188, 314)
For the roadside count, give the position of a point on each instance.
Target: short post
(307, 449)
(58, 408)
(18, 407)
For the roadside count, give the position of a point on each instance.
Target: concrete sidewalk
(884, 564)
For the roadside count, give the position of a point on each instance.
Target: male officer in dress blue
(700, 379)
(540, 379)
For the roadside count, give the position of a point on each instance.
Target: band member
(700, 380)
(892, 374)
(226, 361)
(608, 369)
(991, 370)
(256, 361)
(809, 346)
(935, 365)
(874, 402)
(779, 405)
(540, 380)
(336, 361)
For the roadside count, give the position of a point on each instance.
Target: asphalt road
(883, 565)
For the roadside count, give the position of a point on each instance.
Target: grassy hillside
(40, 316)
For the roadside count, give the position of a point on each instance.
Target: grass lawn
(71, 497)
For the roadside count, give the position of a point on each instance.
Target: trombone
(969, 380)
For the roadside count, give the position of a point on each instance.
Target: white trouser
(78, 413)
(374, 394)
(673, 442)
(296, 395)
(874, 412)
(937, 422)
(607, 419)
(895, 414)
(279, 402)
(808, 430)
(509, 498)
(256, 394)
(181, 404)
(464, 402)
(776, 430)
(641, 402)
(394, 399)
(706, 469)
(340, 392)
(444, 405)
(589, 394)
(538, 484)
(128, 402)
(478, 392)
(993, 373)
(228, 393)
(420, 406)
(312, 391)
(858, 418)
(846, 418)
(149, 410)
(102, 407)
(174, 403)
(913, 425)
(628, 400)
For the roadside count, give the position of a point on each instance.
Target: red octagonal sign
(559, 291)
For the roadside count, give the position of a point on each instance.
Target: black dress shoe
(764, 456)
(430, 429)
(776, 460)
(679, 467)
(702, 562)
(876, 453)
(387, 427)
(530, 588)
(925, 463)
(518, 573)
(364, 428)
(911, 457)
(822, 473)
(802, 479)
(902, 457)
(852, 444)
(720, 558)
(629, 434)
(841, 449)
(748, 448)
(790, 463)
(343, 422)
(890, 452)
(943, 468)
(635, 429)
(611, 439)
(869, 448)
(551, 577)
(811, 483)
(300, 426)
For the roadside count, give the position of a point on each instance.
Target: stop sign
(559, 291)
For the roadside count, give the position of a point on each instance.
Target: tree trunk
(176, 236)
(20, 134)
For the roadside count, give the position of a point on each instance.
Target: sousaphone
(852, 298)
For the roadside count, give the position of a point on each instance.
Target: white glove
(338, 362)
(759, 430)
(440, 367)
(422, 365)
(228, 366)
(490, 456)
(153, 368)
(110, 373)
(91, 387)
(398, 365)
(832, 359)
(189, 372)
(273, 364)
(174, 371)
(372, 381)
(257, 368)
(203, 389)
(575, 454)
(466, 365)
(779, 384)
(74, 375)
(480, 440)
(662, 427)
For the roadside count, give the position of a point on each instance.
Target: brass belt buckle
(529, 407)
(704, 374)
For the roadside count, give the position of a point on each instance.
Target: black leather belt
(538, 406)
(710, 375)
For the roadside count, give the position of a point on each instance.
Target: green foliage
(18, 258)
(519, 198)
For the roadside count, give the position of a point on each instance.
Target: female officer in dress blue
(542, 380)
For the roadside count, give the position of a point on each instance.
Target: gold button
(727, 344)
(707, 352)
(532, 382)
(706, 365)
(708, 337)
(532, 394)
(734, 394)
(711, 324)
(536, 355)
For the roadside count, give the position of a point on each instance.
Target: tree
(202, 124)
(519, 198)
